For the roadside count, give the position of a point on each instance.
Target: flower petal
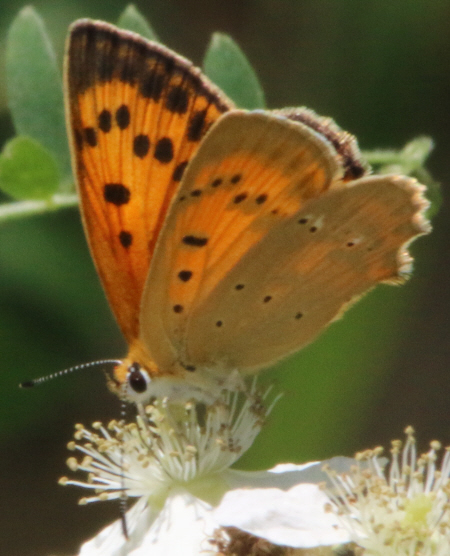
(296, 517)
(287, 475)
(111, 540)
(183, 527)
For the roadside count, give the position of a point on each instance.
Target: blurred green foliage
(27, 169)
(132, 20)
(381, 70)
(34, 87)
(227, 66)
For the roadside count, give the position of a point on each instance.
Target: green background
(381, 69)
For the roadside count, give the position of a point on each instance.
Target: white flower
(405, 512)
(176, 460)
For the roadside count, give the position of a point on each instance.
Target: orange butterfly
(224, 239)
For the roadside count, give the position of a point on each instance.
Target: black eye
(136, 379)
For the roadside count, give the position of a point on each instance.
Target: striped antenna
(36, 381)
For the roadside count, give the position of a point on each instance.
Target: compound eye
(137, 378)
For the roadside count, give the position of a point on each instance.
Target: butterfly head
(138, 379)
(132, 381)
(133, 377)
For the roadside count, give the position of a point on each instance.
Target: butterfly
(225, 239)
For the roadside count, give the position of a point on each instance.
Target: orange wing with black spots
(136, 114)
(266, 242)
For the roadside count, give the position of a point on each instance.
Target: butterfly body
(224, 239)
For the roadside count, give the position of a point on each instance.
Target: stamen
(401, 513)
(168, 443)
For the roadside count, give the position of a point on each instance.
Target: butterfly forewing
(136, 114)
(252, 173)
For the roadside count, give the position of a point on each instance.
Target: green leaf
(407, 161)
(34, 86)
(227, 66)
(28, 170)
(131, 19)
(410, 161)
(417, 151)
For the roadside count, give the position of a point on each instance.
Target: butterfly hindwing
(265, 244)
(306, 272)
(252, 172)
(136, 114)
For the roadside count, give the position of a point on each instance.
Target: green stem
(383, 157)
(20, 209)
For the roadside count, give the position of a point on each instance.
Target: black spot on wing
(261, 199)
(196, 126)
(195, 241)
(179, 170)
(104, 121)
(177, 100)
(141, 145)
(90, 136)
(239, 198)
(185, 275)
(152, 85)
(116, 193)
(190, 368)
(125, 238)
(123, 116)
(164, 150)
